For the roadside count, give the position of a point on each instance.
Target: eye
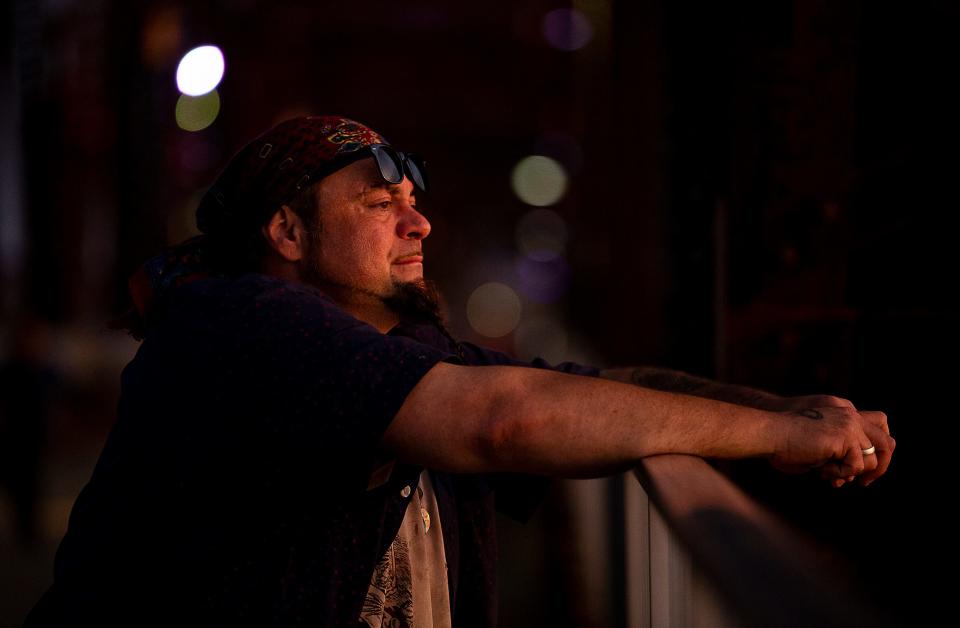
(382, 205)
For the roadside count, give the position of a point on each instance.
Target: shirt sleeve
(477, 355)
(300, 386)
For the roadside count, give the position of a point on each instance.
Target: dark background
(760, 192)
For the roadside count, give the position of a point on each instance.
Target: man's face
(371, 233)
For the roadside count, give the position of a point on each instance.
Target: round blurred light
(567, 29)
(200, 71)
(541, 338)
(539, 180)
(542, 235)
(195, 113)
(543, 282)
(493, 310)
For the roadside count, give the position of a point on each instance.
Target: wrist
(774, 430)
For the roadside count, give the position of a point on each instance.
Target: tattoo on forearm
(811, 414)
(667, 380)
(680, 382)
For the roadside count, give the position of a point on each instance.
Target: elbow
(505, 437)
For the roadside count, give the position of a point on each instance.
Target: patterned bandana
(267, 172)
(275, 167)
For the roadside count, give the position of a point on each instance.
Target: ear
(285, 234)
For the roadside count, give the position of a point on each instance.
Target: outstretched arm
(500, 418)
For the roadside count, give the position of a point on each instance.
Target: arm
(501, 418)
(874, 424)
(680, 382)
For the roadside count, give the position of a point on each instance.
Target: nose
(412, 224)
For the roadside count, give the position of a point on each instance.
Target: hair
(306, 205)
(420, 302)
(233, 251)
(241, 248)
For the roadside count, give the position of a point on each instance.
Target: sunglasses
(393, 164)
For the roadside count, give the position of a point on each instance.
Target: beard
(413, 301)
(416, 301)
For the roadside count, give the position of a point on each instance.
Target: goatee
(416, 301)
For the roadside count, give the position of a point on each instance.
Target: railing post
(637, 540)
(664, 587)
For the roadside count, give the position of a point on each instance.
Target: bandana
(275, 167)
(266, 173)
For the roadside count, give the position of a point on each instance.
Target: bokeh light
(539, 181)
(195, 113)
(567, 29)
(493, 310)
(200, 71)
(542, 282)
(542, 235)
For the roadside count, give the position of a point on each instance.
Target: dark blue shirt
(233, 487)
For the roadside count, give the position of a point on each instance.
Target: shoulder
(257, 300)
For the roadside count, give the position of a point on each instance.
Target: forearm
(680, 382)
(475, 419)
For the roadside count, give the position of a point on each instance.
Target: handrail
(743, 566)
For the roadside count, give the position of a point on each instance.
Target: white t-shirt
(409, 585)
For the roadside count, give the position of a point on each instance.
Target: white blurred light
(195, 113)
(200, 71)
(542, 235)
(539, 180)
(493, 310)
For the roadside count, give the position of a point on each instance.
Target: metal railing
(701, 553)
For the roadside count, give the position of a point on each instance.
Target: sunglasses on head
(393, 164)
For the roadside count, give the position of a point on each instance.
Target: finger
(878, 419)
(852, 463)
(833, 473)
(875, 435)
(832, 470)
(884, 454)
(836, 402)
(875, 428)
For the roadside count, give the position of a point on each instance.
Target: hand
(876, 428)
(832, 438)
(874, 425)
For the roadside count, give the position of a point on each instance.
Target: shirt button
(405, 491)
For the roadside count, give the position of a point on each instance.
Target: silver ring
(869, 450)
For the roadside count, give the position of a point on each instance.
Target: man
(294, 381)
